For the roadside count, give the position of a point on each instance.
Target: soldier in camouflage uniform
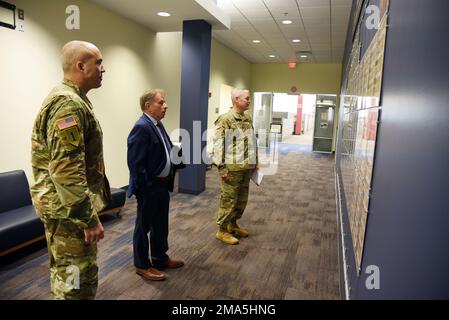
(235, 154)
(70, 186)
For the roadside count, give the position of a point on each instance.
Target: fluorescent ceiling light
(303, 56)
(271, 56)
(163, 14)
(287, 21)
(296, 40)
(256, 41)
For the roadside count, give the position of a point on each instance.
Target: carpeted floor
(290, 254)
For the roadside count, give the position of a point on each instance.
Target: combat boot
(235, 229)
(226, 237)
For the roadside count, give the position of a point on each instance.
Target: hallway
(290, 254)
(305, 139)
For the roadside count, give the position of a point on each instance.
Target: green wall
(308, 78)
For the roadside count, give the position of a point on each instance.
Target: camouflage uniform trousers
(233, 197)
(73, 262)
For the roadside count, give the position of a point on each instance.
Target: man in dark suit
(151, 178)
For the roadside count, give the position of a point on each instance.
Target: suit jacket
(146, 155)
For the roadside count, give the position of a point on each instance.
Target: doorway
(304, 122)
(287, 117)
(301, 122)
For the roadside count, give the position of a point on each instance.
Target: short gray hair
(235, 93)
(149, 95)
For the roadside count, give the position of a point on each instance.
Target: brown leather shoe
(170, 264)
(151, 274)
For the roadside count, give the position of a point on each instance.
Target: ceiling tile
(280, 3)
(321, 47)
(273, 34)
(323, 58)
(240, 24)
(248, 4)
(278, 42)
(256, 14)
(304, 47)
(313, 3)
(322, 13)
(320, 24)
(311, 22)
(343, 3)
(341, 11)
(319, 39)
(285, 13)
(265, 26)
(339, 28)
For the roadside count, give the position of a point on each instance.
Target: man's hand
(94, 234)
(225, 177)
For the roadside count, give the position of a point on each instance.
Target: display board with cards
(362, 108)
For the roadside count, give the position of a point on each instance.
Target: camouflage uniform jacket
(235, 145)
(67, 159)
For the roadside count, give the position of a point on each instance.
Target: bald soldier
(235, 154)
(70, 185)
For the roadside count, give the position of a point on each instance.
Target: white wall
(225, 100)
(283, 102)
(30, 68)
(166, 58)
(308, 112)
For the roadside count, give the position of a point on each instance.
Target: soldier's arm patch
(66, 123)
(69, 131)
(71, 136)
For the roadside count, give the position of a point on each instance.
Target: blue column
(196, 46)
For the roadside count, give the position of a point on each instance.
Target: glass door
(262, 113)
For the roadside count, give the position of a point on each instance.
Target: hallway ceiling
(320, 25)
(145, 12)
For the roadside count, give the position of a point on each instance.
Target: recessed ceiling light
(296, 40)
(303, 56)
(163, 14)
(256, 41)
(271, 56)
(287, 21)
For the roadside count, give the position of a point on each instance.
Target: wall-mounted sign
(7, 15)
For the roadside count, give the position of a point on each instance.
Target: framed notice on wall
(7, 15)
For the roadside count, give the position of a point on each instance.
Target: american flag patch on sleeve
(66, 123)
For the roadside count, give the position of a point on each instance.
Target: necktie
(164, 136)
(166, 141)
